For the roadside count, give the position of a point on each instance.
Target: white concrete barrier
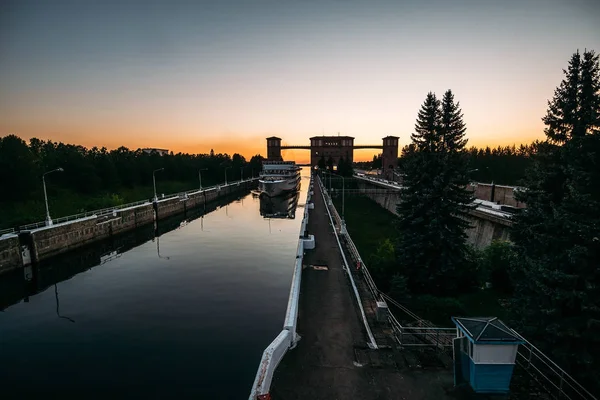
(268, 363)
(288, 337)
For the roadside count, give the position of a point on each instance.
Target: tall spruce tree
(557, 299)
(432, 247)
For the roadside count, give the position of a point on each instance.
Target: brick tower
(274, 149)
(389, 157)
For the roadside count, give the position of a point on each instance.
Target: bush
(496, 263)
(399, 288)
(438, 309)
(470, 275)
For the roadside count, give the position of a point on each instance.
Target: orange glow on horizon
(250, 145)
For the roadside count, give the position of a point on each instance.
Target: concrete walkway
(324, 363)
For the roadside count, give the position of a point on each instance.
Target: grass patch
(368, 223)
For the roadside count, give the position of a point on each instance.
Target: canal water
(183, 309)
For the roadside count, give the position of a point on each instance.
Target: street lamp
(242, 174)
(226, 168)
(200, 175)
(48, 219)
(154, 182)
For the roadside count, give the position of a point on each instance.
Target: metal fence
(97, 213)
(548, 374)
(6, 231)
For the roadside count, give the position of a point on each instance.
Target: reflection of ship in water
(280, 206)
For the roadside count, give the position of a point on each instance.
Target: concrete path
(322, 365)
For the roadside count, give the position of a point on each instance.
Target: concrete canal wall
(486, 225)
(499, 194)
(10, 253)
(45, 242)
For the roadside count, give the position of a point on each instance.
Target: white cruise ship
(280, 206)
(278, 177)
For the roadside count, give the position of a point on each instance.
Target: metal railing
(331, 208)
(364, 270)
(288, 337)
(379, 180)
(558, 383)
(109, 210)
(6, 231)
(422, 336)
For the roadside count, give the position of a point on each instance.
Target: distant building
(334, 147)
(160, 152)
(337, 147)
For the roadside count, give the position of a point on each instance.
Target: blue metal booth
(484, 354)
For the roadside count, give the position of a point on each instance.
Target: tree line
(550, 271)
(97, 177)
(503, 165)
(342, 167)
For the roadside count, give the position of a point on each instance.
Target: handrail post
(562, 379)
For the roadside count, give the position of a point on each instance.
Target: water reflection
(20, 285)
(157, 240)
(58, 305)
(192, 327)
(280, 206)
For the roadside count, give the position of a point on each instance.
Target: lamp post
(154, 182)
(226, 168)
(200, 175)
(242, 174)
(48, 219)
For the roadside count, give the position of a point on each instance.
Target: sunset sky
(190, 75)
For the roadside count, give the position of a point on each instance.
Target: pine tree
(557, 299)
(432, 247)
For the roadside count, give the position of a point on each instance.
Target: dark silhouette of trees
(377, 163)
(99, 173)
(255, 164)
(557, 294)
(344, 168)
(503, 165)
(322, 164)
(432, 248)
(19, 169)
